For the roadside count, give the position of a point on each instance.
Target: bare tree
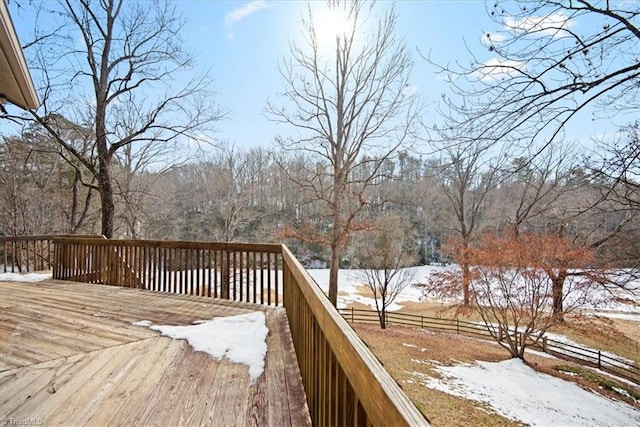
(617, 166)
(119, 68)
(136, 171)
(383, 254)
(552, 61)
(466, 178)
(39, 191)
(512, 287)
(345, 99)
(227, 186)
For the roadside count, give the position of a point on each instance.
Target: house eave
(16, 85)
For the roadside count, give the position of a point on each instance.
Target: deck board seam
(84, 353)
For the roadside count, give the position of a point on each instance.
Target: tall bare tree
(346, 97)
(466, 178)
(119, 68)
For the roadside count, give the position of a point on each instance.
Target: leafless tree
(227, 187)
(345, 100)
(136, 172)
(531, 187)
(512, 288)
(617, 165)
(383, 254)
(466, 178)
(553, 60)
(39, 191)
(120, 69)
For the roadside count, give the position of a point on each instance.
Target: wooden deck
(69, 355)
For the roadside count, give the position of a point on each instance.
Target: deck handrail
(26, 254)
(235, 271)
(344, 382)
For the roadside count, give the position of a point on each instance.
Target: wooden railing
(344, 382)
(614, 365)
(25, 254)
(234, 271)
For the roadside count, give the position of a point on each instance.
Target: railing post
(352, 316)
(599, 360)
(544, 344)
(458, 326)
(422, 321)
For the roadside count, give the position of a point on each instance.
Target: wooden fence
(344, 382)
(590, 357)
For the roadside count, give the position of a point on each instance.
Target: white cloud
(492, 39)
(495, 69)
(410, 91)
(240, 13)
(552, 24)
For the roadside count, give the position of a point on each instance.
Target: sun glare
(329, 24)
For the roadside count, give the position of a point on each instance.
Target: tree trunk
(466, 280)
(466, 273)
(334, 266)
(557, 289)
(382, 316)
(336, 237)
(106, 196)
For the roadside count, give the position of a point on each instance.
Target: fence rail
(234, 271)
(590, 357)
(26, 254)
(344, 382)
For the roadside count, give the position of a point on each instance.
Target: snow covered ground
(614, 303)
(520, 393)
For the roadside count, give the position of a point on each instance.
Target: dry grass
(402, 361)
(407, 352)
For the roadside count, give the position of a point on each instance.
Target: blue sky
(242, 42)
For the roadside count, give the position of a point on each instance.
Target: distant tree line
(251, 195)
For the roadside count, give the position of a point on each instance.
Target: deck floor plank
(137, 399)
(69, 354)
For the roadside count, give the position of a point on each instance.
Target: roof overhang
(16, 85)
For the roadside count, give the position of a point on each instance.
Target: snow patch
(28, 277)
(240, 339)
(520, 393)
(145, 323)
